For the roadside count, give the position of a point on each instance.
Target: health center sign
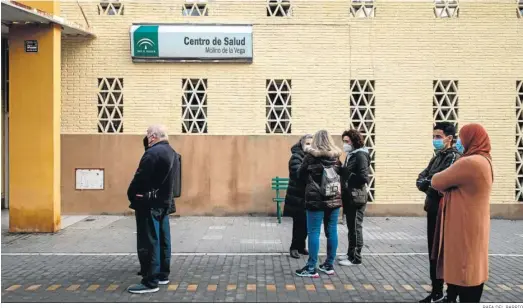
(191, 42)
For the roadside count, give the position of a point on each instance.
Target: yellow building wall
(34, 128)
(51, 7)
(403, 48)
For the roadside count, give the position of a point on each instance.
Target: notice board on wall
(89, 179)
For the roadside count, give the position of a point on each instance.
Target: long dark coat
(295, 198)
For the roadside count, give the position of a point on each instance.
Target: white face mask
(347, 148)
(306, 147)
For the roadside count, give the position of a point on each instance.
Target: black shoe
(304, 252)
(434, 298)
(295, 254)
(355, 262)
(305, 272)
(438, 298)
(427, 299)
(448, 300)
(327, 269)
(163, 282)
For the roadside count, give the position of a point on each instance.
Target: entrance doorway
(5, 124)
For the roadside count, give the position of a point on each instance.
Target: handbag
(360, 196)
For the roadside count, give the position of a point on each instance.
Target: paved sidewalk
(238, 259)
(117, 234)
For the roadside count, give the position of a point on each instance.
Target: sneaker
(343, 257)
(433, 298)
(163, 282)
(141, 289)
(305, 272)
(348, 262)
(327, 269)
(438, 298)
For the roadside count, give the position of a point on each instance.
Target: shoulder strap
(170, 168)
(453, 158)
(491, 168)
(346, 159)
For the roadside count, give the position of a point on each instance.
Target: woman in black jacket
(295, 199)
(355, 179)
(320, 168)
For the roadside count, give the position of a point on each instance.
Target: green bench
(279, 185)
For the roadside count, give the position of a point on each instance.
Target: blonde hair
(323, 141)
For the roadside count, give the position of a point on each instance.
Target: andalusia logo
(145, 40)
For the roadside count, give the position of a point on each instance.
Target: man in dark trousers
(444, 136)
(151, 196)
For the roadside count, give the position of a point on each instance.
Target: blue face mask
(438, 144)
(459, 146)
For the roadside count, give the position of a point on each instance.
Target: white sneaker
(163, 282)
(342, 257)
(345, 262)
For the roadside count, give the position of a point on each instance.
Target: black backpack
(177, 189)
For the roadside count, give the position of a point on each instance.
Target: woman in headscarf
(462, 243)
(295, 199)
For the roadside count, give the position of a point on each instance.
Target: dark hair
(448, 129)
(355, 137)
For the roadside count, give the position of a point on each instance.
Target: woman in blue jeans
(320, 169)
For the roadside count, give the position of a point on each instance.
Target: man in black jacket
(151, 196)
(444, 136)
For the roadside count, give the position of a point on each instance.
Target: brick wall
(403, 48)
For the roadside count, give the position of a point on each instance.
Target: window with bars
(113, 7)
(278, 106)
(194, 106)
(279, 8)
(362, 8)
(195, 8)
(519, 140)
(445, 101)
(520, 8)
(446, 8)
(110, 105)
(362, 116)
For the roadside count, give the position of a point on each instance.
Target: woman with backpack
(320, 169)
(355, 179)
(295, 198)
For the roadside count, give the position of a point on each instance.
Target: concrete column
(34, 131)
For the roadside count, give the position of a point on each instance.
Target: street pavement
(237, 259)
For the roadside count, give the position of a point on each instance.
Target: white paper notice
(90, 179)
